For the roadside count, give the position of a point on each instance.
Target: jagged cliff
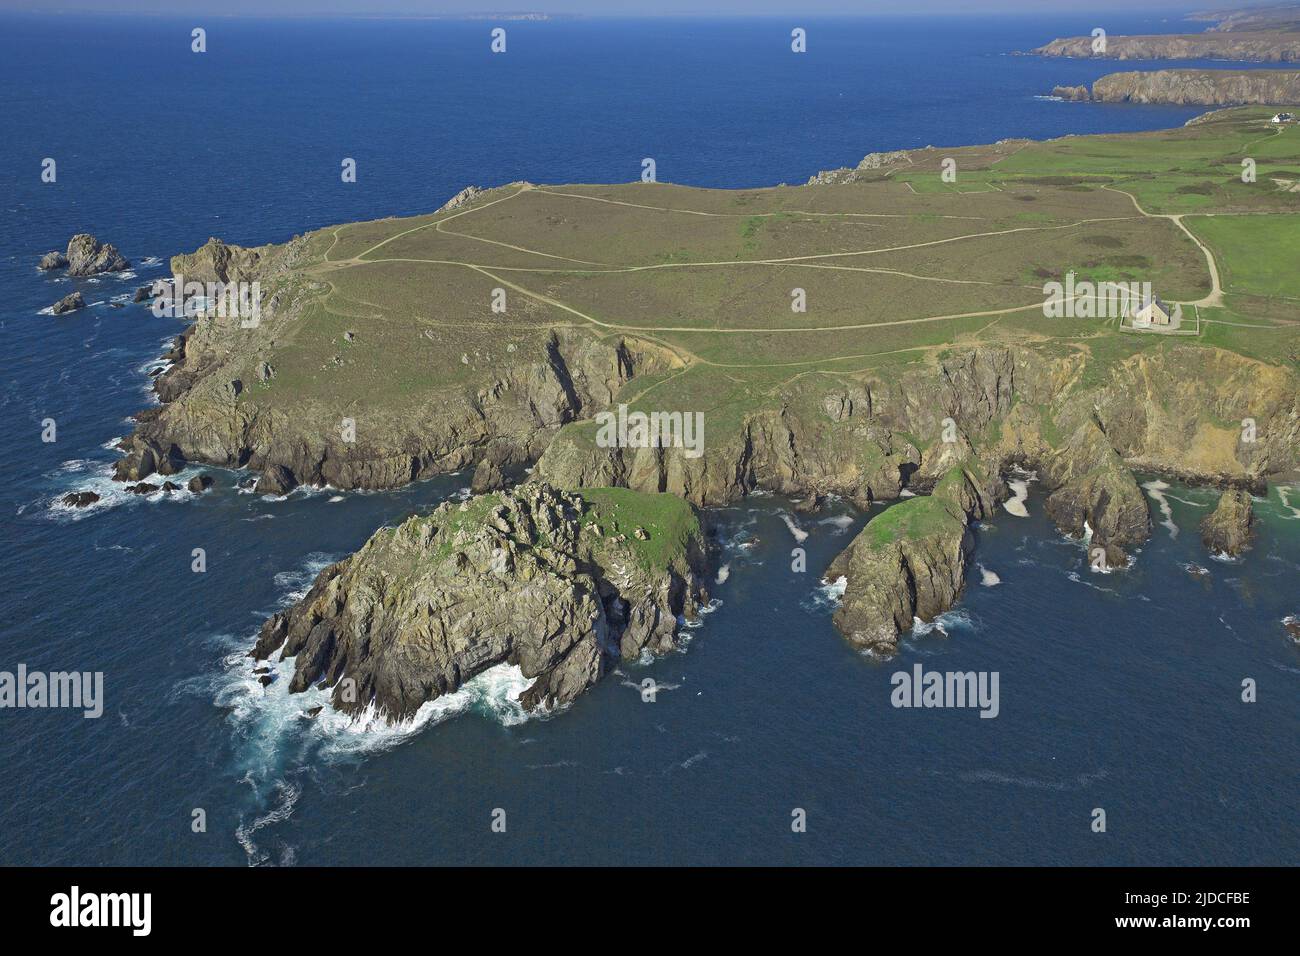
(559, 584)
(1191, 88)
(1084, 425)
(1254, 46)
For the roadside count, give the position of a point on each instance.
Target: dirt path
(1215, 298)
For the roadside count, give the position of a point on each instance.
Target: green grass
(670, 522)
(911, 519)
(1257, 255)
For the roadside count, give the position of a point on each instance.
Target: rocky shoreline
(562, 585)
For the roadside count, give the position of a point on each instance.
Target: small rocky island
(563, 585)
(86, 256)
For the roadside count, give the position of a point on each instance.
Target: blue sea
(1120, 692)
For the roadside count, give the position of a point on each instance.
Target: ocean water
(1119, 691)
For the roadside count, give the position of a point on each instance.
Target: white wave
(288, 794)
(494, 694)
(1078, 579)
(297, 582)
(724, 572)
(692, 761)
(799, 534)
(988, 578)
(943, 623)
(1282, 493)
(1156, 491)
(907, 493)
(828, 594)
(97, 477)
(841, 523)
(1016, 505)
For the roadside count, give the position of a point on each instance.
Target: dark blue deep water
(1119, 691)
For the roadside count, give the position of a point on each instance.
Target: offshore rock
(87, 256)
(1228, 529)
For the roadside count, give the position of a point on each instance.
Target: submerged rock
(87, 256)
(508, 578)
(1228, 529)
(200, 484)
(1292, 625)
(80, 499)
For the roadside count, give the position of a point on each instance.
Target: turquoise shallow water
(1118, 691)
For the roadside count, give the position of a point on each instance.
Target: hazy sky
(612, 7)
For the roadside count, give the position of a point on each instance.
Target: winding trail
(1215, 299)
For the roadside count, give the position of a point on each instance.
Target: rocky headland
(940, 430)
(1191, 88)
(1260, 34)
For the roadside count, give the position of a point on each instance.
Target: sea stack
(1229, 528)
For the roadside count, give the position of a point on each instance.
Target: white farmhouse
(1155, 314)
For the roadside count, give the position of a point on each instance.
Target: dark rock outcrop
(69, 303)
(199, 484)
(1228, 529)
(87, 256)
(53, 260)
(276, 480)
(523, 577)
(80, 499)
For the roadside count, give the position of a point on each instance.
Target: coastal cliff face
(1191, 88)
(211, 393)
(559, 584)
(950, 429)
(1253, 46)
